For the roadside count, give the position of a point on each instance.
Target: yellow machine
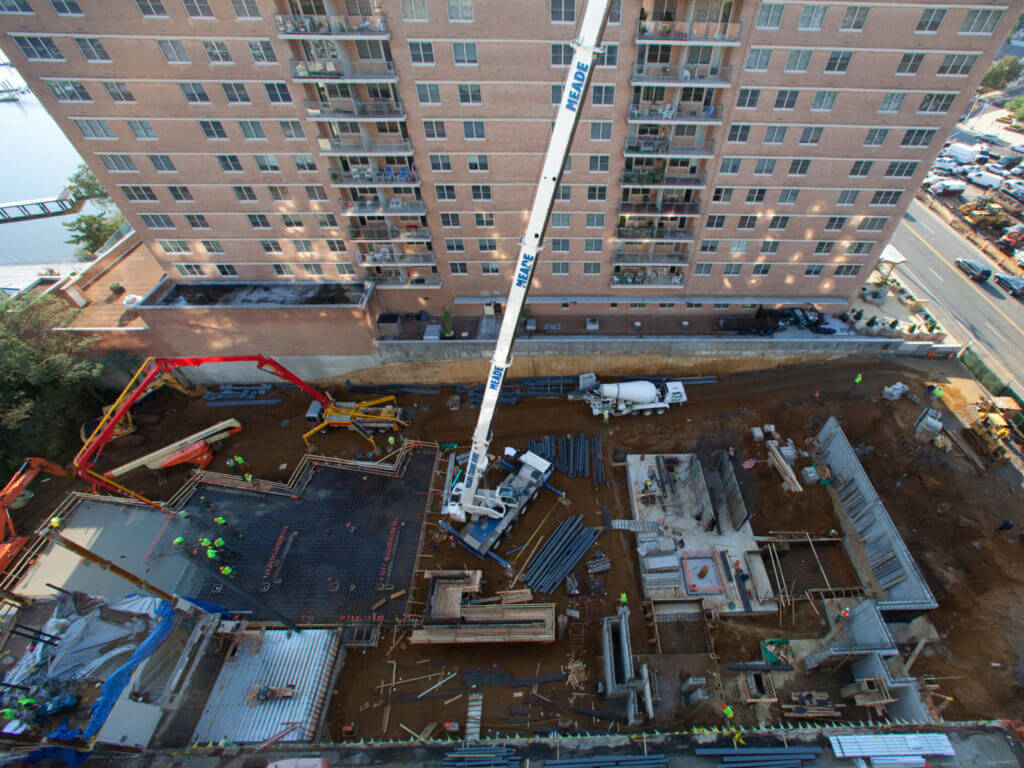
(126, 425)
(982, 212)
(380, 415)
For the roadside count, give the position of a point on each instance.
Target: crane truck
(489, 512)
(628, 397)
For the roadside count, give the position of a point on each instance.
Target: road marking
(997, 334)
(941, 278)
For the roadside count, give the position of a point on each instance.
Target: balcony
(388, 177)
(668, 114)
(388, 258)
(645, 280)
(413, 234)
(364, 148)
(693, 74)
(659, 209)
(660, 180)
(652, 234)
(688, 33)
(663, 147)
(353, 109)
(383, 207)
(413, 282)
(336, 70)
(343, 27)
(627, 259)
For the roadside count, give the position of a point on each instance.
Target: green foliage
(873, 321)
(1003, 71)
(45, 382)
(894, 324)
(1016, 107)
(84, 181)
(447, 328)
(89, 231)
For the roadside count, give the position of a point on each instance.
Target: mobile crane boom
(465, 497)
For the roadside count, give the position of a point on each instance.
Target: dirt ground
(944, 508)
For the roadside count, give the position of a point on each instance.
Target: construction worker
(239, 461)
(858, 379)
(727, 711)
(54, 523)
(28, 703)
(226, 570)
(179, 541)
(391, 440)
(623, 599)
(247, 477)
(183, 514)
(221, 546)
(230, 462)
(205, 542)
(9, 714)
(212, 553)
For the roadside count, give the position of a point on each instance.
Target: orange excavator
(16, 486)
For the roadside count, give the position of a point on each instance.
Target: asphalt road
(979, 311)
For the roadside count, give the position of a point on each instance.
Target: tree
(45, 382)
(84, 182)
(1016, 107)
(92, 230)
(1003, 71)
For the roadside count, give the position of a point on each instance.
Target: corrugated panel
(302, 660)
(892, 745)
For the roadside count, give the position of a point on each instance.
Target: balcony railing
(651, 233)
(669, 113)
(655, 145)
(352, 109)
(686, 32)
(389, 176)
(381, 234)
(659, 179)
(691, 74)
(359, 27)
(659, 209)
(624, 258)
(337, 69)
(383, 207)
(642, 278)
(378, 147)
(412, 282)
(388, 258)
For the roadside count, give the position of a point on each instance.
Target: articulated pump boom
(467, 498)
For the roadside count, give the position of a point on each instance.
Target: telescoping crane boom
(467, 498)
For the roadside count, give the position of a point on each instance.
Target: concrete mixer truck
(627, 397)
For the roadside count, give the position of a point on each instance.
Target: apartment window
(980, 21)
(861, 168)
(595, 220)
(189, 270)
(92, 49)
(15, 6)
(847, 197)
(66, 8)
(118, 163)
(813, 270)
(282, 269)
(315, 192)
(936, 102)
(227, 270)
(597, 192)
(245, 194)
(702, 268)
(489, 268)
(847, 270)
(598, 163)
(291, 129)
(876, 137)
(764, 166)
(824, 100)
(460, 10)
(799, 167)
(464, 53)
(434, 129)
(560, 245)
(336, 246)
(799, 60)
(270, 246)
(738, 133)
(769, 15)
(291, 221)
(194, 93)
(179, 193)
(872, 223)
(812, 17)
(892, 102)
(709, 246)
(563, 11)
(267, 163)
(469, 93)
(563, 192)
(603, 95)
(600, 131)
(217, 52)
(68, 90)
(444, 191)
(235, 93)
(838, 61)
(38, 47)
(786, 98)
(886, 197)
(245, 9)
(213, 246)
(458, 268)
(560, 268)
(861, 248)
(561, 55)
(428, 93)
(788, 196)
(835, 223)
(93, 129)
(931, 20)
(957, 64)
(304, 162)
(769, 247)
(762, 269)
(747, 98)
(473, 129)
(421, 52)
(440, 163)
(197, 221)
(326, 220)
(414, 10)
(609, 57)
(174, 246)
(480, 191)
(119, 92)
(157, 220)
(262, 52)
(747, 221)
(811, 134)
(593, 245)
(278, 93)
(731, 270)
(174, 51)
(556, 94)
(141, 129)
(775, 134)
(198, 9)
(305, 247)
(854, 18)
(450, 220)
(756, 195)
(918, 137)
(213, 129)
(252, 129)
(138, 193)
(778, 222)
(151, 8)
(758, 59)
(730, 165)
(910, 64)
(477, 163)
(454, 245)
(721, 195)
(162, 163)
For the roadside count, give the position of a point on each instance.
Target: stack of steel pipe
(573, 455)
(791, 756)
(559, 554)
(610, 761)
(490, 756)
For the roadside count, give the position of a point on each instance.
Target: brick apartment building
(301, 168)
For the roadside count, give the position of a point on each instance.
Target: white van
(985, 179)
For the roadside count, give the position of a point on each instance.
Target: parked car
(990, 137)
(1017, 148)
(947, 165)
(973, 270)
(985, 179)
(1012, 284)
(1014, 189)
(1010, 161)
(942, 186)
